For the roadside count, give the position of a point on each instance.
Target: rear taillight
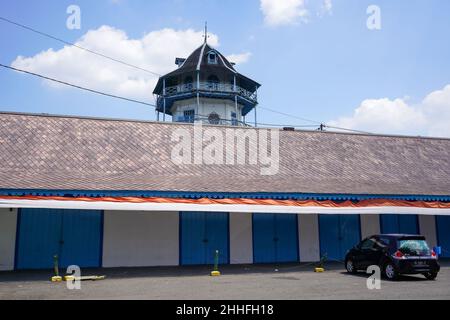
(399, 255)
(433, 254)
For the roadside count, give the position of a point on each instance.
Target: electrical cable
(77, 86)
(77, 46)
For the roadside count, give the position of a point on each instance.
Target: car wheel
(390, 272)
(350, 266)
(430, 275)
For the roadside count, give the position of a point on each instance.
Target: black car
(395, 254)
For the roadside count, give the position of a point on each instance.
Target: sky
(378, 66)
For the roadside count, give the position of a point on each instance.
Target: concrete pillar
(134, 239)
(309, 246)
(370, 225)
(8, 226)
(427, 227)
(241, 239)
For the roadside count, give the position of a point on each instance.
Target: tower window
(212, 58)
(189, 115)
(213, 82)
(188, 83)
(234, 121)
(214, 118)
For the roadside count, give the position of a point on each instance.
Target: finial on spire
(206, 32)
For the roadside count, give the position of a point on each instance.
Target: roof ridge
(201, 57)
(49, 115)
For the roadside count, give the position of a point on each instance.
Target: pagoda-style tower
(206, 88)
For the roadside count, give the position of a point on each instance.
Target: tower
(206, 88)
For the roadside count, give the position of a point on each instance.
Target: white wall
(241, 241)
(222, 107)
(140, 239)
(370, 225)
(427, 227)
(308, 228)
(8, 226)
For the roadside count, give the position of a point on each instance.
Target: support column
(198, 92)
(235, 98)
(370, 225)
(8, 226)
(309, 245)
(241, 241)
(427, 227)
(256, 97)
(164, 99)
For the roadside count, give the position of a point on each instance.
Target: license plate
(420, 263)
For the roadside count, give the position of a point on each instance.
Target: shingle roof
(198, 61)
(73, 153)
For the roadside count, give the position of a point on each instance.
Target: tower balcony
(207, 120)
(209, 90)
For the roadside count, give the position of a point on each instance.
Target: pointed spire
(206, 32)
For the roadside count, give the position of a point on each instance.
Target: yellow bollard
(216, 271)
(56, 277)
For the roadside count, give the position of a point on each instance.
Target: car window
(385, 241)
(413, 247)
(367, 244)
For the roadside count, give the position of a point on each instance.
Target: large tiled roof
(73, 153)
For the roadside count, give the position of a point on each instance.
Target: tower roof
(198, 62)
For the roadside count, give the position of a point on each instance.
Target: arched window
(213, 82)
(188, 83)
(212, 57)
(214, 118)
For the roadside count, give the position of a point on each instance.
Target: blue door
(201, 234)
(399, 223)
(338, 233)
(443, 234)
(73, 235)
(275, 238)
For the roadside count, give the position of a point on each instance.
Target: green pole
(216, 261)
(55, 264)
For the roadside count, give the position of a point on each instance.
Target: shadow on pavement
(281, 270)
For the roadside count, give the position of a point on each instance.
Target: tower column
(198, 93)
(164, 99)
(235, 98)
(256, 119)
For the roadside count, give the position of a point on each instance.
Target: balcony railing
(205, 120)
(211, 87)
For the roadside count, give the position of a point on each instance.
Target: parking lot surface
(292, 281)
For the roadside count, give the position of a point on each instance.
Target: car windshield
(414, 247)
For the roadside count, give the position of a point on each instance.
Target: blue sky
(330, 68)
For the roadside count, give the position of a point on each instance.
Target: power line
(290, 115)
(321, 127)
(154, 106)
(205, 117)
(76, 86)
(350, 130)
(77, 46)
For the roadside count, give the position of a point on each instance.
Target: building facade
(102, 192)
(108, 193)
(206, 88)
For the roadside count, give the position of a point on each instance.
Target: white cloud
(326, 8)
(430, 117)
(284, 12)
(239, 58)
(155, 51)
